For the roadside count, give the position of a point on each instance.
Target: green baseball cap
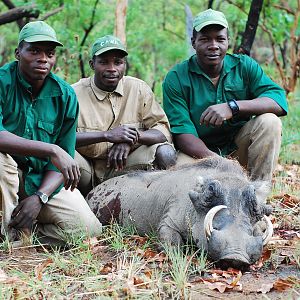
(209, 17)
(38, 31)
(106, 43)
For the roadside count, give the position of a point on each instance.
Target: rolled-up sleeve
(262, 86)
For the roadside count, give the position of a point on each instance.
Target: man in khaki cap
(223, 104)
(120, 126)
(38, 118)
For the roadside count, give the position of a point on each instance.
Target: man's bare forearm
(151, 137)
(51, 181)
(259, 106)
(15, 145)
(89, 138)
(192, 146)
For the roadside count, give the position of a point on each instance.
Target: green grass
(121, 265)
(290, 148)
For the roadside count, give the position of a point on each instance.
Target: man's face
(35, 60)
(211, 44)
(109, 69)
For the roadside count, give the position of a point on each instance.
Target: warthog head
(236, 226)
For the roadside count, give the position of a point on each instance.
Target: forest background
(157, 34)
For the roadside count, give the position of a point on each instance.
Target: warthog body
(212, 199)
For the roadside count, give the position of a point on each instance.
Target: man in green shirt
(38, 118)
(222, 104)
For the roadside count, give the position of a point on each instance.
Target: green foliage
(155, 32)
(290, 148)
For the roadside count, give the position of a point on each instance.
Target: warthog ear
(207, 193)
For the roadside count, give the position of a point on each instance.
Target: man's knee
(165, 157)
(7, 166)
(269, 123)
(68, 212)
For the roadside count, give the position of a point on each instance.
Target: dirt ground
(26, 271)
(253, 284)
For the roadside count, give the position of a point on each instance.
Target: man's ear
(193, 42)
(17, 53)
(91, 63)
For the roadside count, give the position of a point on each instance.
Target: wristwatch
(233, 106)
(43, 197)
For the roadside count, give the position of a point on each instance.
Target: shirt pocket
(47, 131)
(236, 90)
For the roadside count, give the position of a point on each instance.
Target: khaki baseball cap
(106, 43)
(209, 17)
(38, 31)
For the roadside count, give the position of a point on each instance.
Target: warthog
(212, 199)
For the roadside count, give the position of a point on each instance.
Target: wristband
(233, 106)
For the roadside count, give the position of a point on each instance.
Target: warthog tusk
(208, 227)
(268, 232)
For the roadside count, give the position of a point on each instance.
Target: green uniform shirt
(51, 117)
(188, 91)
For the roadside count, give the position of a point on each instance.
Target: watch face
(44, 198)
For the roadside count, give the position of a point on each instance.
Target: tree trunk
(18, 13)
(189, 29)
(210, 4)
(251, 26)
(120, 24)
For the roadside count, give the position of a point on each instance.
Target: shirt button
(27, 130)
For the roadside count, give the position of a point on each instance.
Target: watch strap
(43, 197)
(233, 106)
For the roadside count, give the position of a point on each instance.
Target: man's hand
(67, 166)
(123, 134)
(26, 213)
(117, 156)
(216, 114)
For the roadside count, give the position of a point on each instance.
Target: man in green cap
(120, 126)
(223, 104)
(38, 118)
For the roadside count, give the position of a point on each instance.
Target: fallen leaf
(265, 288)
(284, 284)
(288, 200)
(148, 273)
(40, 268)
(235, 281)
(107, 268)
(266, 254)
(139, 240)
(140, 282)
(220, 286)
(149, 253)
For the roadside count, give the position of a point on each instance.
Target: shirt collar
(230, 61)
(101, 95)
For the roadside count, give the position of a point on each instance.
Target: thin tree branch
(52, 12)
(281, 7)
(86, 33)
